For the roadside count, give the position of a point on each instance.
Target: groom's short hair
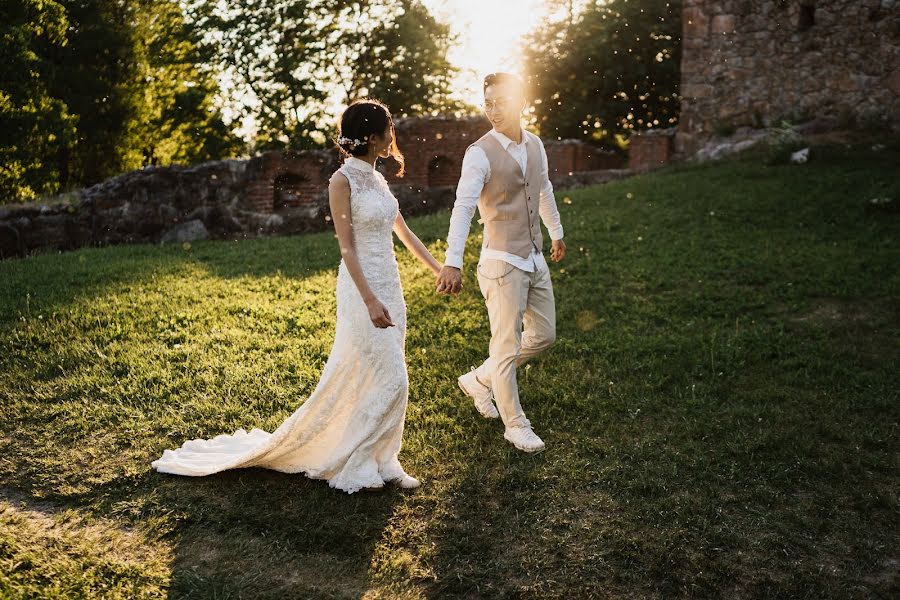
(504, 78)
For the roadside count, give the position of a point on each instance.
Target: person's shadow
(246, 533)
(256, 533)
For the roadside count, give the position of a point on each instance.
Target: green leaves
(91, 89)
(34, 124)
(294, 62)
(403, 63)
(611, 69)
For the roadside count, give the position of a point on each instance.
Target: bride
(349, 429)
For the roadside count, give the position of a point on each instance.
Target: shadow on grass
(261, 534)
(246, 533)
(49, 282)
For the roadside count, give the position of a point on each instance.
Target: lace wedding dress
(349, 429)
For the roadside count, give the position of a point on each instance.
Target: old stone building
(434, 149)
(756, 62)
(269, 194)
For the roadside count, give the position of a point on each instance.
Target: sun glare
(488, 37)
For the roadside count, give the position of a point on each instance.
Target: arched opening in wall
(807, 17)
(289, 190)
(442, 171)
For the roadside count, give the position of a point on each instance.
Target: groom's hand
(449, 280)
(557, 250)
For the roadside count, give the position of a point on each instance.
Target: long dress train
(349, 430)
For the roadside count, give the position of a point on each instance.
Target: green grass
(720, 409)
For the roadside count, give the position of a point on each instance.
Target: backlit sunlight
(489, 35)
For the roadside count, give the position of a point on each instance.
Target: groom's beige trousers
(516, 300)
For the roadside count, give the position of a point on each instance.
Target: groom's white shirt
(476, 171)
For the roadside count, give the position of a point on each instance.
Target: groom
(505, 175)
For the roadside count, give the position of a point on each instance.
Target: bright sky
(488, 34)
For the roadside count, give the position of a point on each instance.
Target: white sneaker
(524, 439)
(482, 394)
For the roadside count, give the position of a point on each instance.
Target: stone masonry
(756, 62)
(434, 148)
(274, 193)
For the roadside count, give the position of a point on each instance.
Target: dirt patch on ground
(246, 561)
(887, 578)
(851, 312)
(865, 328)
(47, 524)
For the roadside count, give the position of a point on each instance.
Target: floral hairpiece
(352, 143)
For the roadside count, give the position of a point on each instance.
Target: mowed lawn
(720, 409)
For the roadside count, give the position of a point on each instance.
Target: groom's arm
(475, 172)
(549, 211)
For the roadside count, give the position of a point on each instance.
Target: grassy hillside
(720, 409)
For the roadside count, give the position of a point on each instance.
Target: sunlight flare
(489, 37)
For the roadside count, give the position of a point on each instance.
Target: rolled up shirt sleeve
(547, 207)
(475, 173)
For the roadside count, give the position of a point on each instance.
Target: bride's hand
(379, 314)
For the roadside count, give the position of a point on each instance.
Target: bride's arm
(339, 201)
(414, 244)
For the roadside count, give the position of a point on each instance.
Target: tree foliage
(92, 88)
(612, 68)
(96, 87)
(403, 62)
(35, 126)
(295, 62)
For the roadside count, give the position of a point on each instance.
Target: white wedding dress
(349, 429)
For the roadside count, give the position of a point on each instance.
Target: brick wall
(272, 193)
(289, 179)
(650, 149)
(434, 148)
(565, 157)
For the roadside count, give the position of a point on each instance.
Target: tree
(134, 75)
(607, 71)
(91, 88)
(174, 92)
(402, 61)
(35, 126)
(294, 61)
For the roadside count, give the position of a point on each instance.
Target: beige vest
(509, 202)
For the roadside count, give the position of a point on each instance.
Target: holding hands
(449, 281)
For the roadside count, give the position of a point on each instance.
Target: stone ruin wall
(434, 148)
(745, 63)
(274, 193)
(756, 62)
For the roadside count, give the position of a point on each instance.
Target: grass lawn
(720, 409)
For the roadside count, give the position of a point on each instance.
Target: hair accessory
(352, 143)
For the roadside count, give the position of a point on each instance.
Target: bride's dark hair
(362, 119)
